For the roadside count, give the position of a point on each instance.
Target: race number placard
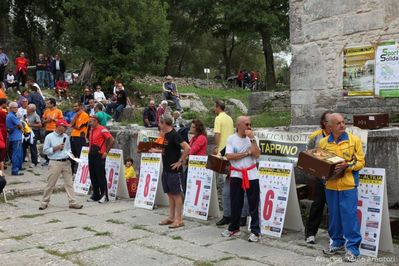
(113, 168)
(149, 176)
(274, 183)
(199, 188)
(372, 212)
(82, 181)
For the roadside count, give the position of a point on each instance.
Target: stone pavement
(116, 233)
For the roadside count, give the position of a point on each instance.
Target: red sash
(244, 172)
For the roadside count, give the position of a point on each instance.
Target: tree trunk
(86, 72)
(270, 78)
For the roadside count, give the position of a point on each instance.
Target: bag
(3, 182)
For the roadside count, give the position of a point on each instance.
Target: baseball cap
(62, 122)
(96, 116)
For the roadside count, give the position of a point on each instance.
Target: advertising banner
(387, 70)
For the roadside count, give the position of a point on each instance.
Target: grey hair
(167, 119)
(32, 106)
(12, 104)
(164, 103)
(332, 116)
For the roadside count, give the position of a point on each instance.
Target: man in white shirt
(22, 111)
(11, 80)
(242, 151)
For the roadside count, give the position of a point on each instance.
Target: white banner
(150, 173)
(147, 135)
(82, 181)
(387, 71)
(370, 210)
(114, 172)
(199, 188)
(274, 183)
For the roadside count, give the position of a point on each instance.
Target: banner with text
(147, 135)
(150, 171)
(199, 188)
(387, 70)
(82, 181)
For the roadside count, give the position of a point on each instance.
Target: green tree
(124, 35)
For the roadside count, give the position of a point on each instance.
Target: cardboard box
(218, 164)
(146, 146)
(371, 121)
(319, 163)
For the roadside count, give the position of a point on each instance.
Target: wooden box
(146, 146)
(371, 121)
(218, 164)
(319, 163)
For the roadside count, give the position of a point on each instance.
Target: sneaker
(349, 257)
(228, 233)
(225, 220)
(45, 164)
(253, 238)
(334, 250)
(103, 199)
(310, 240)
(42, 207)
(91, 200)
(32, 165)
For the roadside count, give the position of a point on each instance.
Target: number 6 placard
(199, 188)
(274, 182)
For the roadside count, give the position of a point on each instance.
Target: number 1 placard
(82, 182)
(199, 188)
(274, 182)
(149, 176)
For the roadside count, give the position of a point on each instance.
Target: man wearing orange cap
(56, 147)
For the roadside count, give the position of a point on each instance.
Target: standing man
(223, 128)
(170, 93)
(37, 99)
(41, 66)
(21, 67)
(14, 129)
(100, 143)
(50, 117)
(58, 67)
(172, 175)
(34, 122)
(3, 63)
(150, 115)
(341, 193)
(242, 151)
(317, 207)
(56, 146)
(79, 125)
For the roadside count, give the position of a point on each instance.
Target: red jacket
(198, 145)
(21, 64)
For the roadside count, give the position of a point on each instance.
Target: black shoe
(243, 221)
(225, 220)
(17, 174)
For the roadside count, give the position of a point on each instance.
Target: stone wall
(382, 151)
(319, 31)
(278, 101)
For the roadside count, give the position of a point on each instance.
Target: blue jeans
(50, 79)
(40, 74)
(343, 222)
(175, 99)
(16, 156)
(227, 201)
(117, 107)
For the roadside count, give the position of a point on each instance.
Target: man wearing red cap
(100, 142)
(56, 147)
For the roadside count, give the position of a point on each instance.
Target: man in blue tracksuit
(14, 129)
(341, 193)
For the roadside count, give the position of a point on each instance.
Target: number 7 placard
(199, 188)
(278, 198)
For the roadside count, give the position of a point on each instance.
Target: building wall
(319, 31)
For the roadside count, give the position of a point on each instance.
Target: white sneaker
(310, 240)
(254, 238)
(32, 165)
(350, 257)
(103, 199)
(228, 233)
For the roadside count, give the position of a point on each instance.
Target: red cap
(62, 122)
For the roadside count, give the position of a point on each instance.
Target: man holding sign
(341, 193)
(242, 151)
(172, 176)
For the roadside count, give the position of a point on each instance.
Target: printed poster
(82, 181)
(358, 71)
(150, 172)
(387, 70)
(147, 135)
(274, 182)
(199, 188)
(281, 146)
(370, 208)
